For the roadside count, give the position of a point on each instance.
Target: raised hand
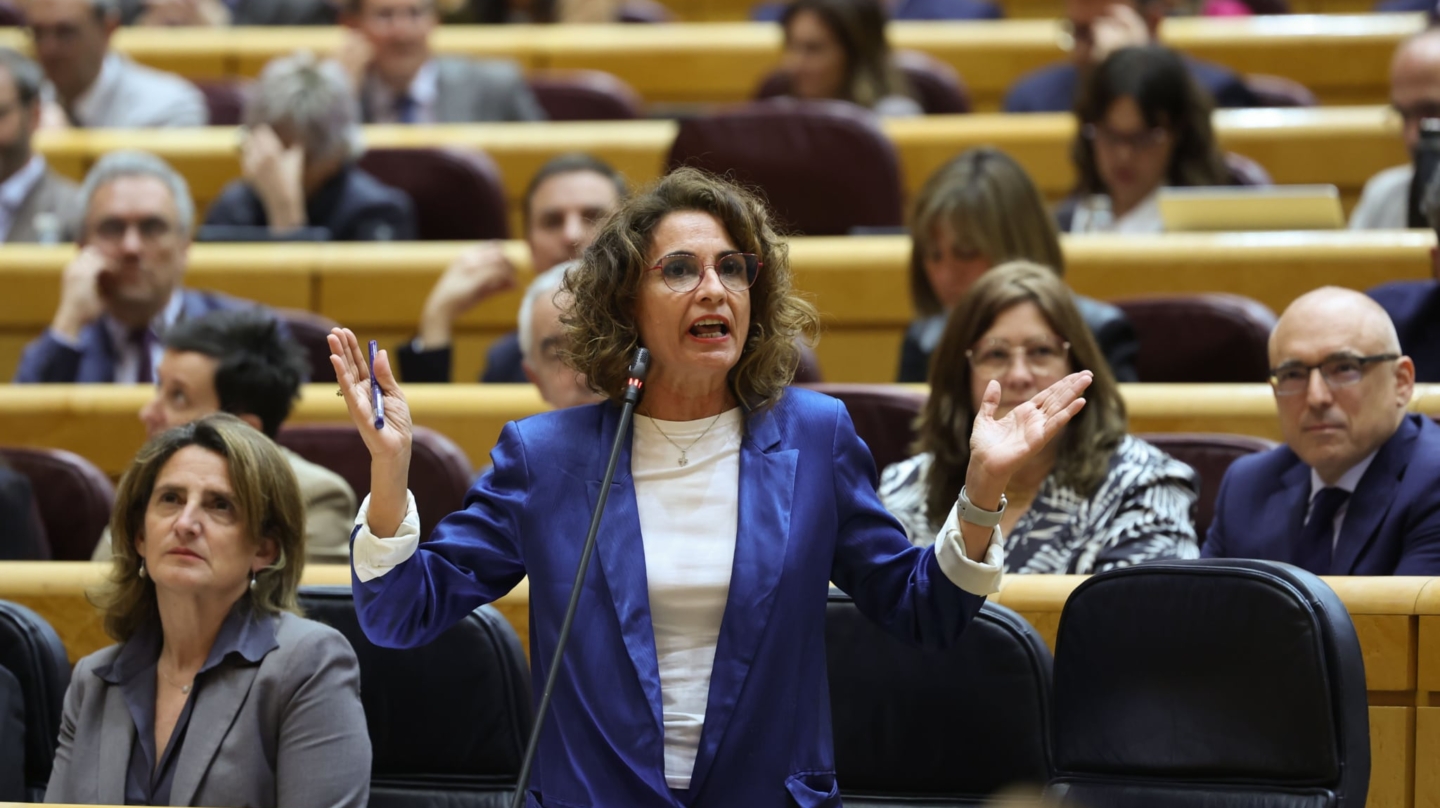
(351, 362)
(1000, 447)
(83, 289)
(277, 175)
(478, 273)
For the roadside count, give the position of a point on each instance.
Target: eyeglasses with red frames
(682, 273)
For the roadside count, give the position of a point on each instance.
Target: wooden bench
(1395, 618)
(1343, 59)
(860, 284)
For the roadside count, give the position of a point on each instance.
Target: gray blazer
(287, 732)
(144, 97)
(481, 91)
(53, 195)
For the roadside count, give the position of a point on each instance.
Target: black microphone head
(640, 364)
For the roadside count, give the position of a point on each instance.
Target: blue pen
(375, 397)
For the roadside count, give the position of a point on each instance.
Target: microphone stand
(639, 367)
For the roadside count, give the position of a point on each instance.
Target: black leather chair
(32, 652)
(449, 720)
(1209, 683)
(945, 728)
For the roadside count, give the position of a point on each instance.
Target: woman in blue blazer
(695, 674)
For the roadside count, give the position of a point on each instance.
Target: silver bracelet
(974, 514)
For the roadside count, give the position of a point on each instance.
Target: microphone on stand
(639, 367)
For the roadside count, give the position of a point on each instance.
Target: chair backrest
(31, 650)
(225, 102)
(74, 497)
(1208, 337)
(310, 330)
(1278, 91)
(1206, 683)
(584, 95)
(440, 473)
(449, 720)
(1210, 455)
(791, 149)
(11, 15)
(884, 417)
(938, 86)
(895, 722)
(1244, 171)
(458, 194)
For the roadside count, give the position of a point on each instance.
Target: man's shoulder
(142, 82)
(364, 188)
(469, 69)
(1406, 300)
(1046, 89)
(316, 481)
(1262, 471)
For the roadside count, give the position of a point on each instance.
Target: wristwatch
(974, 514)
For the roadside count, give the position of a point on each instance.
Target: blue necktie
(1317, 538)
(405, 109)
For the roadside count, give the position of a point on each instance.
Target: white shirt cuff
(372, 556)
(977, 578)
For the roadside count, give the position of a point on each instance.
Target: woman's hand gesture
(392, 443)
(1000, 447)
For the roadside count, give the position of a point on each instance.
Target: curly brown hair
(600, 320)
(948, 417)
(266, 493)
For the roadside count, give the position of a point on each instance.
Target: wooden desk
(859, 284)
(1343, 59)
(1343, 146)
(739, 10)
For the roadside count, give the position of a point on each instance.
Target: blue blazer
(1055, 88)
(1391, 526)
(48, 360)
(808, 515)
(1414, 306)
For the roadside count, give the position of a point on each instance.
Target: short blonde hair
(266, 493)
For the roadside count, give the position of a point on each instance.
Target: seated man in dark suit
(1414, 306)
(23, 537)
(566, 199)
(124, 288)
(1356, 488)
(299, 166)
(1099, 28)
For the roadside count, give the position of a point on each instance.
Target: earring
(142, 568)
(252, 580)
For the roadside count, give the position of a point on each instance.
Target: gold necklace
(183, 688)
(684, 460)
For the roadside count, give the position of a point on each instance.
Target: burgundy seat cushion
(440, 473)
(1210, 455)
(224, 101)
(792, 150)
(73, 495)
(1201, 337)
(458, 195)
(884, 417)
(937, 86)
(310, 330)
(584, 95)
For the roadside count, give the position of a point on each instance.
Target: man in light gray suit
(36, 204)
(95, 87)
(399, 80)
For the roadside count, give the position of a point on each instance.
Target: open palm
(353, 371)
(1002, 446)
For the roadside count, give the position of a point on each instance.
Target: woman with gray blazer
(218, 692)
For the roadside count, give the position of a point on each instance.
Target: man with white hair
(124, 289)
(94, 87)
(1355, 490)
(542, 341)
(298, 162)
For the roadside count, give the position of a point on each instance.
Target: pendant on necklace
(684, 460)
(185, 689)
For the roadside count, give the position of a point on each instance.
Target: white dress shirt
(1347, 482)
(381, 101)
(88, 106)
(14, 191)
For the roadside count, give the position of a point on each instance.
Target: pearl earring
(142, 568)
(252, 580)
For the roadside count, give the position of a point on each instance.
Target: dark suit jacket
(261, 12)
(1415, 308)
(12, 739)
(53, 196)
(285, 731)
(1108, 323)
(808, 515)
(352, 206)
(1392, 522)
(23, 537)
(48, 360)
(502, 363)
(1055, 88)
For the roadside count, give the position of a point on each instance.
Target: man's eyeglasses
(682, 273)
(1344, 370)
(152, 228)
(1044, 358)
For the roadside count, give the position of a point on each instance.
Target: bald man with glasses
(1355, 490)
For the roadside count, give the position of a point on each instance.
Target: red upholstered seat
(225, 102)
(310, 330)
(1210, 455)
(74, 498)
(884, 416)
(585, 95)
(824, 166)
(1201, 338)
(440, 473)
(937, 86)
(458, 195)
(11, 15)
